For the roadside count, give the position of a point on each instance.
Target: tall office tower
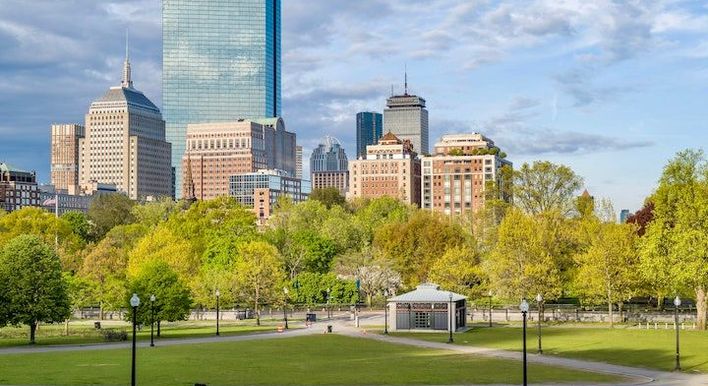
(624, 215)
(406, 117)
(457, 176)
(369, 128)
(217, 151)
(329, 166)
(125, 143)
(220, 63)
(389, 169)
(65, 157)
(298, 162)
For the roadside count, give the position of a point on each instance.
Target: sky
(612, 89)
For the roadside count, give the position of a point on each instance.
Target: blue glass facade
(369, 128)
(221, 62)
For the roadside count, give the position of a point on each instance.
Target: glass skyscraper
(221, 62)
(369, 128)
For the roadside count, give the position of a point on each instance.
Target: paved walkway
(636, 376)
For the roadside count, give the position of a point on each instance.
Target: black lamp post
(450, 315)
(490, 307)
(524, 307)
(285, 307)
(385, 312)
(539, 300)
(218, 294)
(152, 320)
(134, 302)
(329, 314)
(677, 303)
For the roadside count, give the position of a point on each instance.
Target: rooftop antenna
(406, 79)
(126, 81)
(391, 90)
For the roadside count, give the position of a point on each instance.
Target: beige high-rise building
(390, 168)
(125, 143)
(298, 162)
(65, 157)
(217, 151)
(338, 179)
(457, 176)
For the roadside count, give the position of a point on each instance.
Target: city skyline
(612, 90)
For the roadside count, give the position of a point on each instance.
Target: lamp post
(134, 302)
(329, 315)
(152, 320)
(524, 307)
(218, 294)
(450, 315)
(285, 307)
(539, 300)
(385, 312)
(490, 307)
(677, 303)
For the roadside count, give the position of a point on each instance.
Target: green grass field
(83, 332)
(621, 345)
(315, 360)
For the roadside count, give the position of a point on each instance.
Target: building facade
(369, 128)
(331, 179)
(65, 156)
(261, 190)
(217, 151)
(60, 201)
(328, 156)
(457, 177)
(124, 143)
(18, 188)
(298, 162)
(391, 168)
(221, 62)
(407, 118)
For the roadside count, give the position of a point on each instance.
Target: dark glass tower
(369, 128)
(221, 62)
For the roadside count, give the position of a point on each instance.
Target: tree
(259, 275)
(108, 211)
(79, 224)
(675, 245)
(172, 297)
(528, 258)
(328, 196)
(459, 270)
(80, 291)
(375, 275)
(151, 214)
(162, 244)
(545, 186)
(311, 289)
(608, 269)
(33, 286)
(642, 217)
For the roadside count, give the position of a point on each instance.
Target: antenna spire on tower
(126, 81)
(406, 79)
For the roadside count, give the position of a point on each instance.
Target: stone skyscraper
(221, 63)
(406, 117)
(125, 144)
(65, 156)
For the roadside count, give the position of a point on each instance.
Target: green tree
(173, 300)
(608, 269)
(81, 294)
(375, 274)
(33, 287)
(153, 213)
(545, 186)
(310, 288)
(459, 270)
(80, 226)
(108, 211)
(329, 197)
(675, 245)
(259, 275)
(162, 244)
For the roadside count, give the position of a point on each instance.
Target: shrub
(114, 335)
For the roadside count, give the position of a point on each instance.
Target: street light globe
(539, 298)
(135, 300)
(524, 306)
(152, 298)
(677, 301)
(217, 293)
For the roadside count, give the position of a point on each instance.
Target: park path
(636, 376)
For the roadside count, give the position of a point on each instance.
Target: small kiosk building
(427, 308)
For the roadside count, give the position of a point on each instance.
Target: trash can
(329, 328)
(97, 325)
(311, 317)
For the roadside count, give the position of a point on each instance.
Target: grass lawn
(620, 345)
(83, 332)
(315, 360)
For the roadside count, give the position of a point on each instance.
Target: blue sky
(612, 89)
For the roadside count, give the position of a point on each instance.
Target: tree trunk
(100, 311)
(660, 302)
(701, 307)
(369, 299)
(158, 328)
(33, 329)
(258, 311)
(66, 327)
(610, 310)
